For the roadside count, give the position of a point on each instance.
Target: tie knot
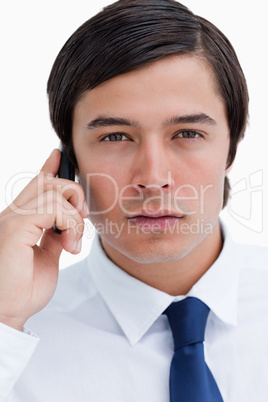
(187, 319)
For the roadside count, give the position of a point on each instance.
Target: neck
(174, 277)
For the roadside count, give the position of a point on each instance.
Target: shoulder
(253, 273)
(252, 257)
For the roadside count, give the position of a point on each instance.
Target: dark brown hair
(130, 34)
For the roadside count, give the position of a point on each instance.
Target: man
(150, 103)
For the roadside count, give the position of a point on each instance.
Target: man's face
(151, 147)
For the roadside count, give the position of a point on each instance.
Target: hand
(29, 272)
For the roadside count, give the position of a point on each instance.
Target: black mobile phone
(66, 171)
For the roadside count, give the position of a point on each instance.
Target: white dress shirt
(103, 337)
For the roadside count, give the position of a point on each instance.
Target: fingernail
(78, 245)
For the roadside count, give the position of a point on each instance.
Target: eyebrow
(103, 121)
(192, 118)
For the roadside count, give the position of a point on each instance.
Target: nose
(152, 169)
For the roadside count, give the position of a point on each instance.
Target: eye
(189, 134)
(115, 137)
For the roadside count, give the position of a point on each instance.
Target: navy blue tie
(190, 378)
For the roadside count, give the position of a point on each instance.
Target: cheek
(202, 184)
(102, 187)
(200, 172)
(211, 195)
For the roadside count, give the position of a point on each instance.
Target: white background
(33, 32)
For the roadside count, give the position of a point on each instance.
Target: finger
(72, 191)
(74, 194)
(51, 242)
(51, 165)
(49, 208)
(38, 184)
(30, 192)
(71, 238)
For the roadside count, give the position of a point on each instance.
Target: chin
(157, 251)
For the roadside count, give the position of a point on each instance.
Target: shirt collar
(136, 305)
(218, 287)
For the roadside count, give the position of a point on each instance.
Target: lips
(156, 214)
(158, 220)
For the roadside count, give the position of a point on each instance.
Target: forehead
(183, 84)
